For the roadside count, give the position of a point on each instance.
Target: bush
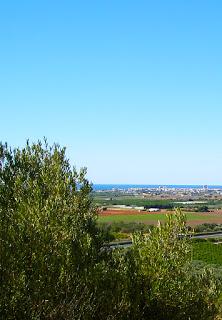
(171, 288)
(202, 209)
(207, 227)
(48, 233)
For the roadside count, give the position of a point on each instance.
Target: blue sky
(132, 88)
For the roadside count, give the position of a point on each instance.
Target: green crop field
(146, 218)
(133, 218)
(208, 252)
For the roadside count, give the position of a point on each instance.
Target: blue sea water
(104, 187)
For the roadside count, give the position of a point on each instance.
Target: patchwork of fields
(193, 218)
(206, 251)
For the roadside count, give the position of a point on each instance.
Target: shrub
(48, 233)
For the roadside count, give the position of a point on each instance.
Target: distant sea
(104, 187)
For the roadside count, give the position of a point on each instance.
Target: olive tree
(48, 234)
(167, 285)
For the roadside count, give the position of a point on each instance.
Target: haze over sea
(100, 187)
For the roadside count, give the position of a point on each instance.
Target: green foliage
(162, 204)
(207, 251)
(172, 290)
(125, 227)
(48, 233)
(207, 227)
(202, 209)
(120, 235)
(54, 264)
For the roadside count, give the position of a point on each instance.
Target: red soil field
(113, 212)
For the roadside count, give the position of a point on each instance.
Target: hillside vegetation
(54, 264)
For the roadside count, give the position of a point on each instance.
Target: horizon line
(159, 184)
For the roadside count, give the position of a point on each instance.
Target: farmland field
(133, 217)
(193, 218)
(129, 201)
(110, 199)
(208, 252)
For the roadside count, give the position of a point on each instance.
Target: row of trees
(53, 263)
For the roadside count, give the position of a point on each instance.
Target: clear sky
(132, 88)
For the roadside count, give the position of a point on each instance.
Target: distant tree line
(163, 204)
(160, 206)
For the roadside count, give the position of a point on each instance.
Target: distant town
(165, 192)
